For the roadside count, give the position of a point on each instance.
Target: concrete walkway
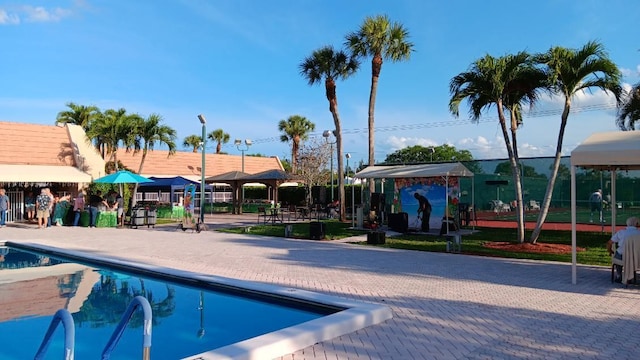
(446, 306)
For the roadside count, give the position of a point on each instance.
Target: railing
(138, 301)
(69, 335)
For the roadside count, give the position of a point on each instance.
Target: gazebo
(272, 178)
(235, 180)
(613, 151)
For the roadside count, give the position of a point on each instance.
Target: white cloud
(395, 143)
(40, 14)
(8, 19)
(29, 13)
(626, 72)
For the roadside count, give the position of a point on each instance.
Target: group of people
(49, 209)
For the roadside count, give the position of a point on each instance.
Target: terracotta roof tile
(32, 144)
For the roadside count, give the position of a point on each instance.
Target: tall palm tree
(572, 71)
(380, 39)
(151, 131)
(220, 137)
(115, 128)
(78, 115)
(193, 141)
(330, 65)
(295, 129)
(506, 83)
(629, 110)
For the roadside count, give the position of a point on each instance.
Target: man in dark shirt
(95, 200)
(424, 207)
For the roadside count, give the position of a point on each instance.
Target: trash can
(151, 217)
(316, 230)
(137, 217)
(376, 237)
(288, 230)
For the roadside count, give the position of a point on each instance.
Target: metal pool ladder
(63, 316)
(138, 301)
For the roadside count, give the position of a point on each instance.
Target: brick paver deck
(446, 306)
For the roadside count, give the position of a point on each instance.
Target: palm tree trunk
(546, 203)
(376, 64)
(517, 180)
(330, 88)
(295, 147)
(135, 188)
(512, 160)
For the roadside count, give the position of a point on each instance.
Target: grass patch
(594, 243)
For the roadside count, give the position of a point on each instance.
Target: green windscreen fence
(493, 190)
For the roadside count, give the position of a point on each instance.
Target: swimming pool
(193, 313)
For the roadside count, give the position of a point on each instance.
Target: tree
(79, 115)
(116, 127)
(330, 65)
(220, 137)
(194, 141)
(571, 71)
(629, 110)
(527, 170)
(418, 154)
(504, 83)
(312, 159)
(151, 131)
(295, 129)
(380, 39)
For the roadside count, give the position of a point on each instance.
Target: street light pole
(348, 156)
(203, 121)
(327, 134)
(238, 144)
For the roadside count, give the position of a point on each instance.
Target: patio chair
(262, 213)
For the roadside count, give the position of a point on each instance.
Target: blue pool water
(186, 320)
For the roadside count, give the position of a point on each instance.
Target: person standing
(4, 207)
(619, 238)
(42, 208)
(118, 205)
(595, 205)
(78, 207)
(95, 200)
(424, 208)
(30, 206)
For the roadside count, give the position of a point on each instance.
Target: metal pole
(204, 146)
(242, 171)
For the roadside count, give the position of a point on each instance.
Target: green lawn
(564, 216)
(594, 242)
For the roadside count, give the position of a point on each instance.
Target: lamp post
(238, 144)
(348, 156)
(327, 134)
(203, 121)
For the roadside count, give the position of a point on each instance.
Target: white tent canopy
(613, 151)
(408, 171)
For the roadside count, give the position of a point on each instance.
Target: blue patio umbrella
(122, 177)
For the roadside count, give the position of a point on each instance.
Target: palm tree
(220, 137)
(572, 71)
(629, 110)
(330, 65)
(115, 127)
(78, 115)
(295, 129)
(152, 132)
(381, 39)
(506, 83)
(194, 141)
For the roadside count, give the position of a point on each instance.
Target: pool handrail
(64, 316)
(138, 301)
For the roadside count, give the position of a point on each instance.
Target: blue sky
(237, 62)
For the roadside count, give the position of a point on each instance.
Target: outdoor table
(107, 219)
(302, 212)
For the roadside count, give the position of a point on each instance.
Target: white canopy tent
(444, 170)
(612, 151)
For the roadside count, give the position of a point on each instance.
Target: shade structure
(613, 151)
(123, 177)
